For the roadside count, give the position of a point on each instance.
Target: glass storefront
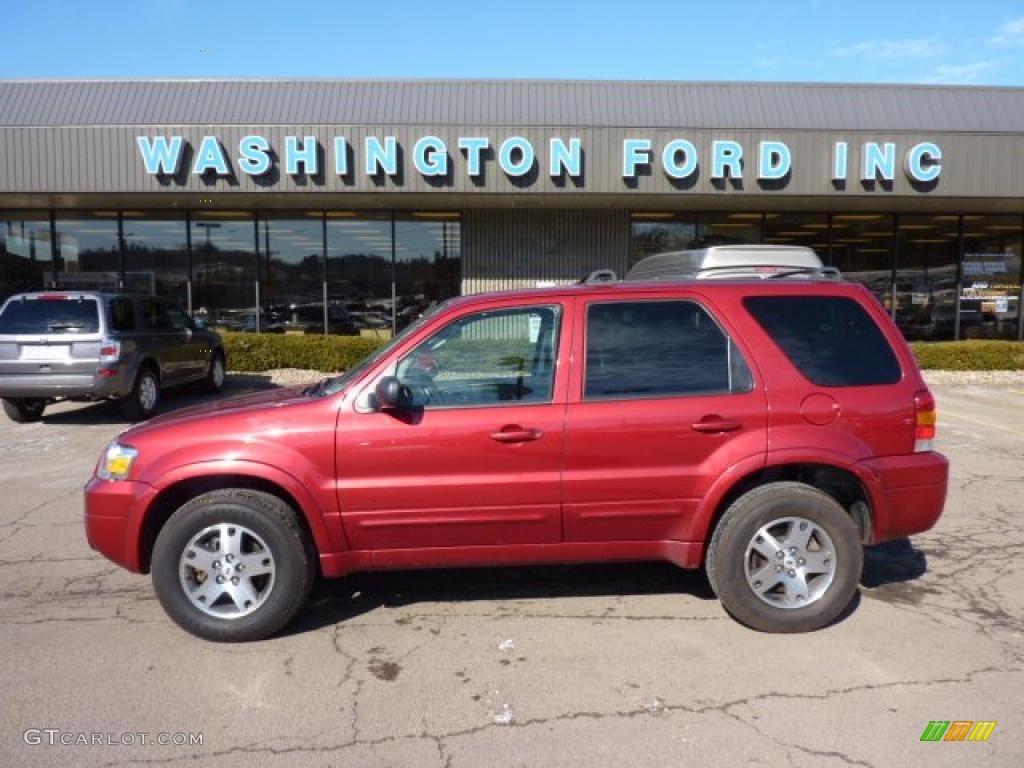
(291, 275)
(360, 276)
(88, 252)
(941, 276)
(924, 293)
(990, 277)
(25, 254)
(428, 263)
(224, 271)
(156, 256)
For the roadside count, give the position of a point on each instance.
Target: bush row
(261, 352)
(970, 355)
(254, 352)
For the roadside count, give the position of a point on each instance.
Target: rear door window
(154, 316)
(638, 349)
(122, 314)
(831, 340)
(57, 315)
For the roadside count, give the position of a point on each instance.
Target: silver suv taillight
(110, 351)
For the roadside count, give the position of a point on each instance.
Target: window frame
(561, 311)
(732, 346)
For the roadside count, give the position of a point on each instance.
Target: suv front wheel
(233, 565)
(785, 557)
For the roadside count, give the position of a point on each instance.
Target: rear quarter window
(51, 316)
(831, 340)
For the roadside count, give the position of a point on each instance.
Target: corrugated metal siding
(514, 248)
(531, 103)
(105, 159)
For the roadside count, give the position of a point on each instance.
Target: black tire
(24, 410)
(214, 383)
(135, 406)
(262, 514)
(728, 552)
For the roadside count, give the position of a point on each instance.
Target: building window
(730, 228)
(25, 257)
(156, 256)
(224, 271)
(89, 252)
(360, 274)
(654, 233)
(428, 259)
(862, 249)
(990, 275)
(292, 275)
(807, 229)
(925, 290)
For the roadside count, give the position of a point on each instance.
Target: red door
(661, 406)
(477, 461)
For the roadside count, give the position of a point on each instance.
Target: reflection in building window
(924, 293)
(89, 253)
(862, 249)
(990, 277)
(360, 274)
(224, 272)
(25, 261)
(156, 256)
(292, 275)
(428, 259)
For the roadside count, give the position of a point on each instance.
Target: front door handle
(716, 424)
(513, 433)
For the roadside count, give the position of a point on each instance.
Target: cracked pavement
(562, 666)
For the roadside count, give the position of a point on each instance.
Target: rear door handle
(714, 424)
(516, 434)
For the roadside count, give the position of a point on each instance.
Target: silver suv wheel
(227, 571)
(790, 562)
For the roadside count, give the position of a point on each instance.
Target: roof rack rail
(600, 276)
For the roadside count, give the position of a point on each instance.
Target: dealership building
(351, 206)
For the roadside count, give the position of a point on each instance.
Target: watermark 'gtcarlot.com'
(56, 737)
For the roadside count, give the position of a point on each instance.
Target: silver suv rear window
(50, 315)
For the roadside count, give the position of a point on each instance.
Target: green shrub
(975, 355)
(261, 352)
(264, 351)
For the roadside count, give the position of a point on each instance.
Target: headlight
(117, 462)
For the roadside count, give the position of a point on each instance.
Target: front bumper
(71, 385)
(909, 495)
(114, 515)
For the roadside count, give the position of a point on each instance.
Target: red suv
(765, 429)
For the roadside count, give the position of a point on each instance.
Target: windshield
(338, 382)
(57, 315)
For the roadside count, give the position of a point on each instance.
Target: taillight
(924, 421)
(110, 351)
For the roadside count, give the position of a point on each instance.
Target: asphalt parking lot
(573, 666)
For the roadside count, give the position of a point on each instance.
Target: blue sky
(816, 40)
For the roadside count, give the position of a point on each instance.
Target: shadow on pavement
(893, 562)
(176, 398)
(335, 600)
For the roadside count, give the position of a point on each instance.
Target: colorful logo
(958, 730)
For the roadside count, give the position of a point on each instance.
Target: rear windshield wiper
(64, 327)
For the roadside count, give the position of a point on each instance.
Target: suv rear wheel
(145, 395)
(785, 557)
(215, 373)
(233, 565)
(24, 409)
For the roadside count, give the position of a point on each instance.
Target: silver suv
(85, 345)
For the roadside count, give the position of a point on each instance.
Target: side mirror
(392, 395)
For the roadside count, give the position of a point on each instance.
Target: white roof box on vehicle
(733, 261)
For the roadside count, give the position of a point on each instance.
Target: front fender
(309, 506)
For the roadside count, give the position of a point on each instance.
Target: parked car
(81, 345)
(763, 426)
